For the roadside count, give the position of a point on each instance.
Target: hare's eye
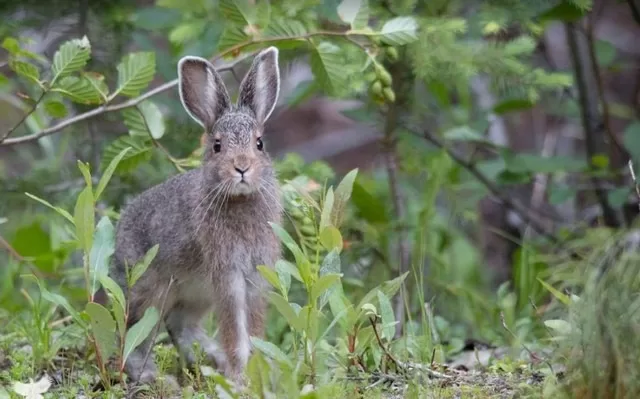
(259, 144)
(216, 145)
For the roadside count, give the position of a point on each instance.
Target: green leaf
(371, 209)
(355, 13)
(145, 119)
(55, 109)
(138, 270)
(139, 332)
(238, 12)
(331, 239)
(101, 251)
(330, 264)
(388, 318)
(631, 140)
(108, 172)
(231, 36)
(465, 133)
(605, 52)
(11, 44)
(284, 271)
(86, 173)
(271, 276)
(79, 90)
(286, 310)
(304, 267)
(70, 57)
(282, 27)
(389, 288)
(533, 163)
(121, 322)
(103, 328)
(271, 350)
(565, 299)
(84, 219)
(561, 326)
(26, 70)
(114, 289)
(60, 301)
(342, 196)
(399, 31)
(140, 151)
(566, 11)
(327, 207)
(60, 211)
(560, 194)
(323, 284)
(617, 197)
(135, 72)
(327, 66)
(96, 80)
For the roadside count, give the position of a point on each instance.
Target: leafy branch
(401, 30)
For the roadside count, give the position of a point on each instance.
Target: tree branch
(24, 117)
(169, 85)
(589, 114)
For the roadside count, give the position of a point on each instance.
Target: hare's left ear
(260, 87)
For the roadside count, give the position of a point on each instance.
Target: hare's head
(235, 154)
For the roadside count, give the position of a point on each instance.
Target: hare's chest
(245, 251)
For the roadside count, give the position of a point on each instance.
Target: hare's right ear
(202, 91)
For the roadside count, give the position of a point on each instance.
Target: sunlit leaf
(399, 31)
(355, 13)
(270, 275)
(327, 66)
(72, 56)
(55, 109)
(139, 268)
(78, 89)
(331, 239)
(323, 284)
(135, 72)
(26, 70)
(140, 151)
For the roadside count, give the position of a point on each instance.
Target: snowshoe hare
(211, 224)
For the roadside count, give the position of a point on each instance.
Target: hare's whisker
(213, 200)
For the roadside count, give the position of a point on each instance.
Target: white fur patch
(243, 348)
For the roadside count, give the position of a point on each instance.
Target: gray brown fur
(212, 229)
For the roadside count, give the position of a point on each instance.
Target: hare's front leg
(233, 321)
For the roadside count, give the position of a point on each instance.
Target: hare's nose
(242, 171)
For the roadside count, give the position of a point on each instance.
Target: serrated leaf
(139, 268)
(286, 310)
(399, 31)
(238, 12)
(144, 119)
(327, 66)
(355, 13)
(387, 316)
(108, 172)
(55, 109)
(97, 81)
(70, 57)
(103, 328)
(271, 350)
(78, 89)
(26, 70)
(281, 27)
(140, 151)
(231, 36)
(101, 251)
(60, 211)
(139, 332)
(84, 214)
(135, 72)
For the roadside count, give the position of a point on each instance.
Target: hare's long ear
(260, 87)
(202, 91)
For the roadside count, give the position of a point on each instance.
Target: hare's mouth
(242, 187)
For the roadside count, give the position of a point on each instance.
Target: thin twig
(24, 117)
(531, 354)
(384, 348)
(166, 86)
(157, 143)
(157, 327)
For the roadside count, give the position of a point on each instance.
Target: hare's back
(161, 215)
